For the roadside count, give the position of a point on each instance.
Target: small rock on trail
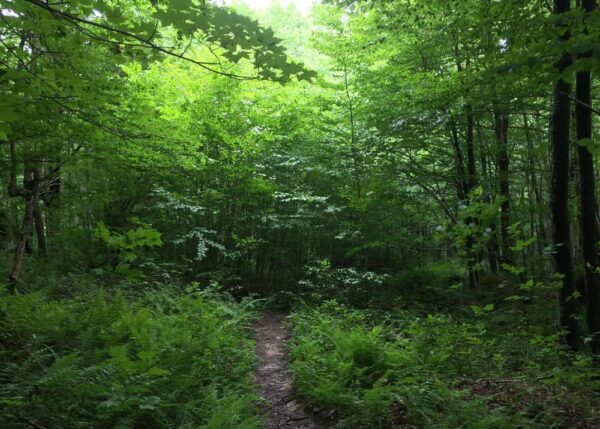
(275, 383)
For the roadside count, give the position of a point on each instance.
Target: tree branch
(144, 42)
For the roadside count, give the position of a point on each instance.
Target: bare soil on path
(282, 409)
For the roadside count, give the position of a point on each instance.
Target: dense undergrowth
(424, 361)
(125, 359)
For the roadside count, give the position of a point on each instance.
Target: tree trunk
(28, 186)
(461, 184)
(541, 236)
(501, 117)
(492, 244)
(52, 200)
(353, 141)
(40, 230)
(37, 214)
(559, 193)
(590, 235)
(13, 190)
(31, 202)
(472, 172)
(472, 253)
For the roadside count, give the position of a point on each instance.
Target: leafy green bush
(122, 248)
(322, 281)
(103, 361)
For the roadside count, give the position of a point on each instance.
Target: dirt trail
(275, 384)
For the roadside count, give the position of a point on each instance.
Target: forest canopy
(401, 195)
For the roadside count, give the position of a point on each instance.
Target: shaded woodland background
(415, 180)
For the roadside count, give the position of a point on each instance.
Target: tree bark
(472, 253)
(37, 214)
(541, 236)
(353, 139)
(559, 193)
(492, 244)
(590, 234)
(471, 168)
(13, 189)
(40, 230)
(30, 204)
(501, 118)
(461, 184)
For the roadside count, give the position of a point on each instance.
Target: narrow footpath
(281, 409)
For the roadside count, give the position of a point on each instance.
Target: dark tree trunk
(541, 235)
(30, 204)
(40, 230)
(32, 179)
(13, 190)
(37, 213)
(472, 253)
(459, 160)
(559, 193)
(52, 200)
(501, 118)
(28, 186)
(472, 172)
(492, 245)
(466, 177)
(590, 235)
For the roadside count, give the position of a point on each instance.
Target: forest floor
(282, 409)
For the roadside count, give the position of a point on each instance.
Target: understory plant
(101, 360)
(398, 369)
